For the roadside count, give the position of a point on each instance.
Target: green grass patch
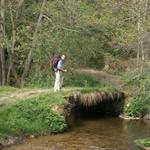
(82, 80)
(32, 116)
(71, 79)
(35, 115)
(6, 89)
(104, 88)
(143, 142)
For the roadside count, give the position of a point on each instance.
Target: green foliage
(82, 80)
(32, 116)
(96, 61)
(71, 79)
(138, 106)
(83, 30)
(40, 78)
(104, 88)
(138, 85)
(143, 142)
(140, 79)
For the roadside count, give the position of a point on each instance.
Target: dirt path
(21, 94)
(29, 93)
(103, 76)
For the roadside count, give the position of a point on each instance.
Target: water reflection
(92, 134)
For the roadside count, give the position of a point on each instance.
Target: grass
(104, 88)
(35, 115)
(143, 142)
(32, 116)
(76, 79)
(6, 89)
(72, 79)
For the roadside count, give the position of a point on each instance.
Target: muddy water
(92, 134)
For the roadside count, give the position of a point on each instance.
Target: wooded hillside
(92, 33)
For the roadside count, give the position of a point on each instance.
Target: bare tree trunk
(13, 39)
(11, 50)
(0, 71)
(144, 19)
(18, 8)
(0, 68)
(29, 57)
(3, 66)
(2, 48)
(141, 18)
(139, 31)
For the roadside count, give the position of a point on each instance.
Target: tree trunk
(29, 57)
(13, 40)
(2, 59)
(142, 12)
(2, 66)
(138, 33)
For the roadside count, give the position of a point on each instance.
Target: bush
(97, 61)
(138, 106)
(142, 79)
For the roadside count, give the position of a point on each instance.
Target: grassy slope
(32, 116)
(35, 115)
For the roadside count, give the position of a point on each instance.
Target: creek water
(92, 133)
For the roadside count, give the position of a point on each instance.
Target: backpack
(54, 62)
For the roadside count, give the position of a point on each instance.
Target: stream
(92, 133)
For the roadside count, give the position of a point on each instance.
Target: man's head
(63, 57)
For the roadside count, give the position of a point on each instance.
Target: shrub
(138, 106)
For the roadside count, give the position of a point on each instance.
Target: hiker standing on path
(59, 73)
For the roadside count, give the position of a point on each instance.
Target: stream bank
(48, 114)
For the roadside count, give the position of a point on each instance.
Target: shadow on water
(92, 132)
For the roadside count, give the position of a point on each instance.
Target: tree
(2, 30)
(34, 42)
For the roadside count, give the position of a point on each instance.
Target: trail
(105, 77)
(20, 94)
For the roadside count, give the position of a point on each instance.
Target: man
(59, 74)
